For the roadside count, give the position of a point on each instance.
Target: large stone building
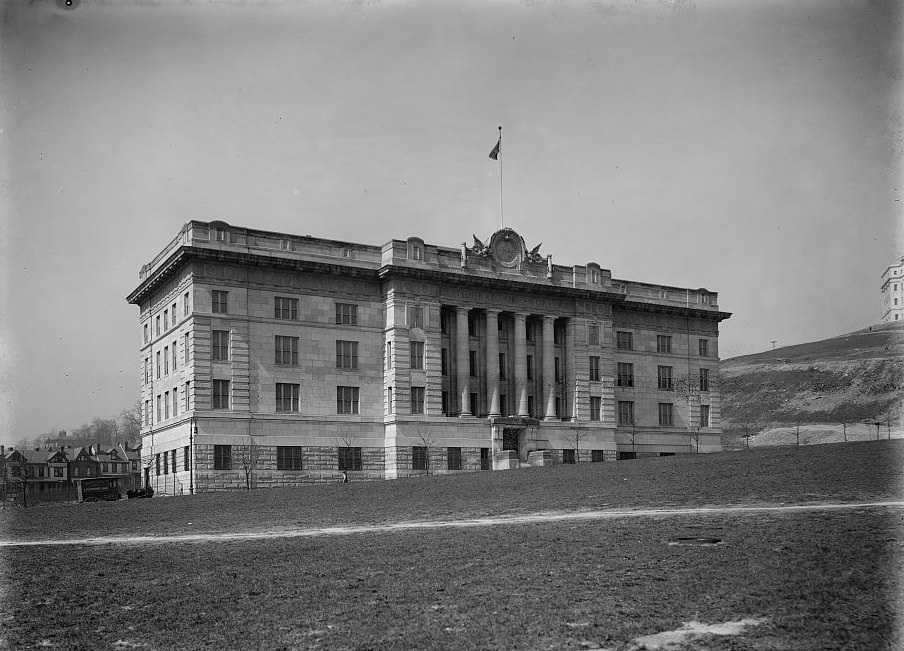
(279, 359)
(893, 292)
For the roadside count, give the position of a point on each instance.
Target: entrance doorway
(510, 438)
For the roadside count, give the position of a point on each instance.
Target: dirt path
(530, 518)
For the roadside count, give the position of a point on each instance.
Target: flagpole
(501, 212)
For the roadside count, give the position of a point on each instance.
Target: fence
(739, 436)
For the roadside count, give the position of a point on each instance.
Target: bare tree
(345, 449)
(574, 439)
(692, 390)
(19, 469)
(427, 443)
(249, 455)
(130, 423)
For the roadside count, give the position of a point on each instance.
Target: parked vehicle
(95, 489)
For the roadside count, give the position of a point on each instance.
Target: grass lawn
(820, 580)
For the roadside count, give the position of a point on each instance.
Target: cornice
(186, 254)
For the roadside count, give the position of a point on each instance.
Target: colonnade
(463, 376)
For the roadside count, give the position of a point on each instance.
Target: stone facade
(893, 292)
(309, 353)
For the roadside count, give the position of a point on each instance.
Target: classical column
(462, 358)
(549, 367)
(493, 361)
(521, 362)
(570, 376)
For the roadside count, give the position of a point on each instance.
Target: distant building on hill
(893, 292)
(282, 359)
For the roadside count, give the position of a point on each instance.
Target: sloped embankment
(847, 379)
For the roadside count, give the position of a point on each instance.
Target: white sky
(752, 148)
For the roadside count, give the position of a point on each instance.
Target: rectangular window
(187, 349)
(664, 376)
(388, 354)
(503, 404)
(475, 408)
(349, 458)
(704, 347)
(453, 458)
(419, 457)
(472, 324)
(704, 415)
(444, 322)
(484, 458)
(222, 457)
(346, 400)
(417, 400)
(165, 464)
(594, 369)
(186, 305)
(472, 363)
(173, 460)
(156, 464)
(595, 407)
(625, 374)
(558, 335)
(220, 396)
(596, 456)
(558, 369)
(625, 412)
(624, 340)
(663, 344)
(57, 472)
(417, 355)
(147, 412)
(147, 370)
(219, 345)
(285, 308)
(502, 365)
(175, 401)
(445, 402)
(186, 458)
(174, 348)
(174, 315)
(346, 314)
(158, 364)
(530, 406)
(166, 360)
(165, 320)
(157, 326)
(530, 367)
(704, 379)
(187, 387)
(529, 331)
(146, 333)
(218, 301)
(286, 350)
(286, 397)
(346, 354)
(666, 416)
(415, 316)
(288, 457)
(159, 408)
(444, 361)
(568, 456)
(594, 335)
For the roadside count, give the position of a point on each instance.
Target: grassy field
(817, 580)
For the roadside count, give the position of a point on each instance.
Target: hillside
(821, 385)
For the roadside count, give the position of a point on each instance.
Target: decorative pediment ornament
(506, 248)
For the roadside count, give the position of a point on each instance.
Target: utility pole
(773, 342)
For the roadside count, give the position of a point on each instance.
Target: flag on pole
(495, 153)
